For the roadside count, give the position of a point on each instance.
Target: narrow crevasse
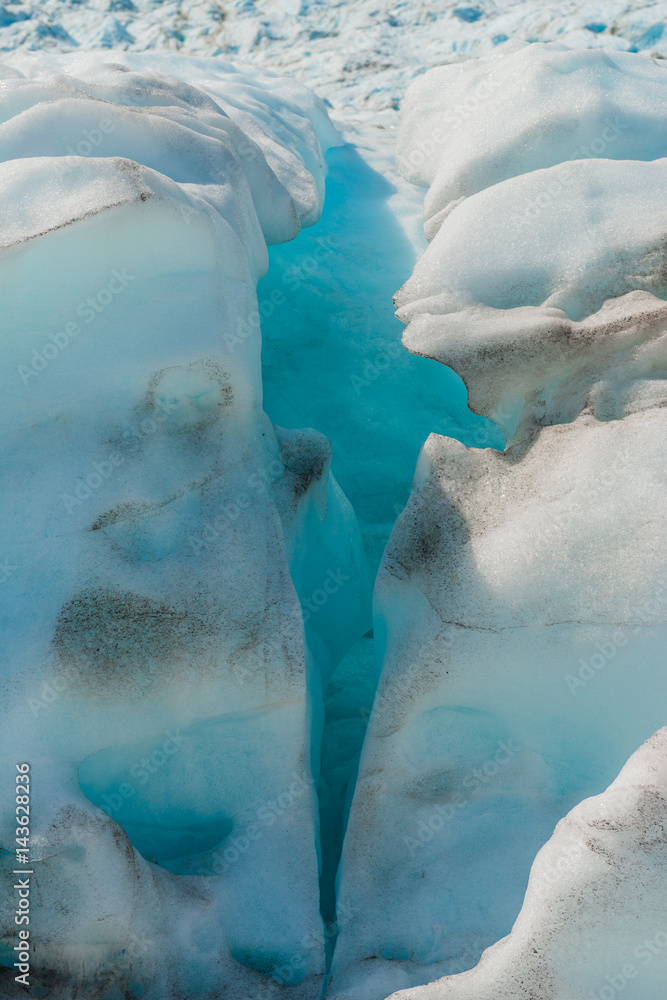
(332, 359)
(223, 799)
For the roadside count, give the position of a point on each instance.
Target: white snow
(554, 281)
(520, 618)
(360, 56)
(473, 124)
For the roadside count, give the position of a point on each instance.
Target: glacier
(519, 610)
(210, 431)
(598, 887)
(157, 523)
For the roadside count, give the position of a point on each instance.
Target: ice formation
(520, 605)
(594, 922)
(159, 533)
(473, 124)
(539, 305)
(361, 56)
(181, 577)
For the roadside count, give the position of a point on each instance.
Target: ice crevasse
(160, 536)
(520, 607)
(158, 531)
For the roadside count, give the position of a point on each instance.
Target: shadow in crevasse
(332, 353)
(333, 360)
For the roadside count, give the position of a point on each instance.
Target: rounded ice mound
(594, 922)
(475, 123)
(541, 287)
(211, 139)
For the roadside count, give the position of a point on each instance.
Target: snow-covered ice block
(213, 127)
(520, 617)
(158, 676)
(594, 922)
(474, 123)
(542, 287)
(521, 607)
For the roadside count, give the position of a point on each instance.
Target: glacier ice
(475, 123)
(594, 921)
(186, 599)
(536, 299)
(520, 668)
(162, 534)
(519, 611)
(361, 55)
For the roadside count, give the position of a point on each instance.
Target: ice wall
(520, 606)
(594, 922)
(158, 533)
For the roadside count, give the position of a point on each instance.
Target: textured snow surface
(361, 56)
(540, 304)
(457, 137)
(508, 578)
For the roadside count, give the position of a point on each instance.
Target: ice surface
(523, 660)
(545, 285)
(181, 578)
(475, 123)
(361, 56)
(219, 126)
(161, 535)
(520, 606)
(594, 922)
